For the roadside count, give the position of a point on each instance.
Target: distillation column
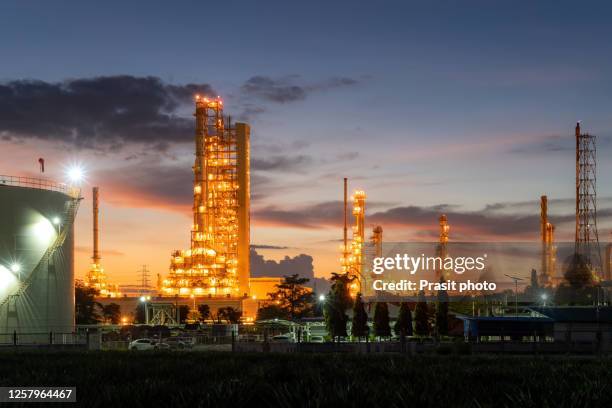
(442, 248)
(547, 269)
(217, 264)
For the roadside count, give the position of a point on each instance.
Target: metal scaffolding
(587, 239)
(217, 262)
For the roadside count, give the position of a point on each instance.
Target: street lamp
(544, 296)
(321, 298)
(515, 279)
(144, 300)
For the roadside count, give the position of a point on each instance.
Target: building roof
(505, 318)
(577, 314)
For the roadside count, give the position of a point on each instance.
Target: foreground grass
(114, 379)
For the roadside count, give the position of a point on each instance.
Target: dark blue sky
(463, 103)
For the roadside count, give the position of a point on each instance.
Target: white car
(142, 344)
(161, 346)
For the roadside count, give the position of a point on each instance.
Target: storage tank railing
(40, 184)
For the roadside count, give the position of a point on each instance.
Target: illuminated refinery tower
(587, 240)
(217, 264)
(547, 269)
(352, 259)
(442, 248)
(96, 278)
(377, 240)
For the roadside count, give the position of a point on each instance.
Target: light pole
(515, 279)
(544, 296)
(144, 300)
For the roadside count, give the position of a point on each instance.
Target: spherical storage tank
(36, 256)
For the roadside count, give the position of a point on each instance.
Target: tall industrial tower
(217, 264)
(96, 277)
(442, 248)
(547, 230)
(377, 240)
(587, 240)
(352, 256)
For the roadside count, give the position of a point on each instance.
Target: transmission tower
(587, 240)
(144, 278)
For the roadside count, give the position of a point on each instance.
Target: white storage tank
(36, 257)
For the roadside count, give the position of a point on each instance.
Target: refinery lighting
(75, 174)
(15, 267)
(321, 298)
(56, 220)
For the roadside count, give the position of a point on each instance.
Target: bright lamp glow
(544, 296)
(143, 299)
(75, 173)
(15, 268)
(43, 231)
(322, 298)
(56, 220)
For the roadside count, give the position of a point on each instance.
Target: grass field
(114, 379)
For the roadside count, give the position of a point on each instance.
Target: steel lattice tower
(587, 240)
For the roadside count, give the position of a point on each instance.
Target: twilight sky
(466, 108)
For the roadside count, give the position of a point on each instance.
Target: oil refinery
(217, 264)
(37, 255)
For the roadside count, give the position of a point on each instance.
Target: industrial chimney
(96, 230)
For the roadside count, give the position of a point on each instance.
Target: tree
(293, 297)
(204, 311)
(86, 307)
(421, 316)
(337, 302)
(403, 325)
(381, 320)
(111, 313)
(442, 312)
(193, 316)
(139, 313)
(271, 311)
(229, 314)
(359, 327)
(183, 313)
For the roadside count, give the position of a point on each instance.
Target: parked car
(142, 344)
(317, 339)
(161, 346)
(176, 343)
